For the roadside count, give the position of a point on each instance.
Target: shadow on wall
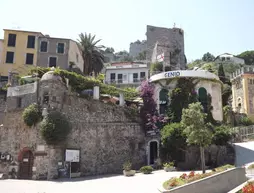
(243, 155)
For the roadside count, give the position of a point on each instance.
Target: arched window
(202, 95)
(163, 100)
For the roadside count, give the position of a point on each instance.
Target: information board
(72, 155)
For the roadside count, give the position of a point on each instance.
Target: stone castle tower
(169, 41)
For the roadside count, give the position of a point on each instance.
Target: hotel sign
(171, 74)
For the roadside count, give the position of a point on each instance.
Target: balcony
(135, 81)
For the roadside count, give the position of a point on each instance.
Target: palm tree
(91, 53)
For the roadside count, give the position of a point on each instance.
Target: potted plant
(127, 171)
(168, 167)
(146, 169)
(249, 168)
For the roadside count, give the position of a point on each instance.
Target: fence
(243, 133)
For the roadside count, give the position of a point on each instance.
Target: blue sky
(216, 26)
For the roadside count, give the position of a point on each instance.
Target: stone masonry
(170, 42)
(104, 133)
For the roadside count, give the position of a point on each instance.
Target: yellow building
(243, 91)
(19, 51)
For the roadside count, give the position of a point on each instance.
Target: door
(153, 152)
(26, 165)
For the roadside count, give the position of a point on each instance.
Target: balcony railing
(121, 81)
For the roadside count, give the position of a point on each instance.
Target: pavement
(139, 183)
(244, 153)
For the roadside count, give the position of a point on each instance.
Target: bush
(146, 169)
(246, 121)
(222, 135)
(54, 128)
(32, 115)
(127, 166)
(168, 165)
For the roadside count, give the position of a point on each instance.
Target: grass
(191, 177)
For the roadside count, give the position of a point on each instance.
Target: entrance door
(153, 151)
(26, 165)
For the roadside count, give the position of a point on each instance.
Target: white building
(230, 58)
(1, 50)
(208, 83)
(126, 73)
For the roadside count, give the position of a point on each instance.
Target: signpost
(72, 155)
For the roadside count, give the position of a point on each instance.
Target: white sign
(184, 73)
(72, 155)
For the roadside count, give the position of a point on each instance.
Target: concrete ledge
(221, 182)
(238, 188)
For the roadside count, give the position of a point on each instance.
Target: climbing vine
(54, 128)
(31, 115)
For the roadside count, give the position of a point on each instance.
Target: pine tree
(221, 74)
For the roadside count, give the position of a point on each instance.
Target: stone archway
(26, 160)
(153, 151)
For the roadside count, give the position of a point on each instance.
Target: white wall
(213, 88)
(129, 72)
(230, 58)
(75, 55)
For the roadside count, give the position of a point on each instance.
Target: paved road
(244, 153)
(139, 183)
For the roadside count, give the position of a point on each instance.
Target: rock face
(105, 135)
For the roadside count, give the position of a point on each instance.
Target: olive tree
(197, 131)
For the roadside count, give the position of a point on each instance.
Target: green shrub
(246, 121)
(54, 128)
(146, 169)
(222, 135)
(31, 115)
(127, 166)
(168, 165)
(79, 83)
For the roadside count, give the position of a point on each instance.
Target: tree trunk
(202, 157)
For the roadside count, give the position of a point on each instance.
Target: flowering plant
(191, 174)
(155, 122)
(183, 176)
(249, 188)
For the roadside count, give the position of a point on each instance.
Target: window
(203, 98)
(60, 48)
(228, 58)
(120, 78)
(135, 77)
(29, 58)
(9, 57)
(44, 46)
(112, 77)
(19, 102)
(31, 42)
(223, 58)
(12, 40)
(52, 61)
(45, 97)
(142, 75)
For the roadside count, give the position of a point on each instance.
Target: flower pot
(129, 172)
(169, 169)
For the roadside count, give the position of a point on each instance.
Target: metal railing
(121, 81)
(243, 132)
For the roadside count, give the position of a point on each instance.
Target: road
(244, 153)
(139, 183)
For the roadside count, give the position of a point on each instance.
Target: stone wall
(105, 135)
(2, 106)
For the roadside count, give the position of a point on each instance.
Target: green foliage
(245, 121)
(221, 73)
(31, 115)
(197, 131)
(54, 128)
(197, 63)
(181, 97)
(127, 166)
(79, 83)
(210, 67)
(101, 77)
(222, 135)
(248, 57)
(226, 93)
(173, 141)
(146, 169)
(168, 165)
(141, 56)
(207, 57)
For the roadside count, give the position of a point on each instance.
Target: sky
(215, 26)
